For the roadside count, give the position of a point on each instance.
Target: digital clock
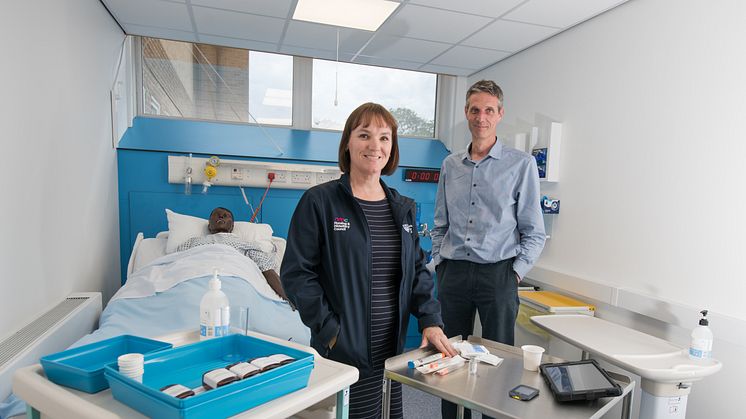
(422, 175)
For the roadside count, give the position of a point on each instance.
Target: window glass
(409, 95)
(200, 81)
(271, 88)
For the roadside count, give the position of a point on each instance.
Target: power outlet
(280, 176)
(300, 177)
(325, 177)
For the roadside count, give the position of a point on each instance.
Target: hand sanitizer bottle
(701, 346)
(214, 311)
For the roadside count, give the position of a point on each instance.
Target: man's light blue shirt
(489, 210)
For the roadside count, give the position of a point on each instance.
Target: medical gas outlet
(220, 172)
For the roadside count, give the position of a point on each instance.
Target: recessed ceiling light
(367, 15)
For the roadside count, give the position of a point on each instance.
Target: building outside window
(211, 82)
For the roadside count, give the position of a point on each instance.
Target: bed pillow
(183, 227)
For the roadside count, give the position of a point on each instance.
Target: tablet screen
(578, 377)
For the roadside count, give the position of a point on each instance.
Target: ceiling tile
(238, 43)
(162, 33)
(442, 69)
(378, 61)
(426, 23)
(153, 13)
(238, 25)
(490, 8)
(406, 49)
(276, 8)
(310, 52)
(560, 14)
(313, 35)
(470, 57)
(509, 36)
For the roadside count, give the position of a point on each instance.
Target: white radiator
(53, 331)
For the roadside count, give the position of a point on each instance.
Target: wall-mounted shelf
(546, 143)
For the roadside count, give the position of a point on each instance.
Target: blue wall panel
(144, 191)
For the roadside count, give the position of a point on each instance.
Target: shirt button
(472, 203)
(474, 185)
(470, 221)
(468, 239)
(468, 254)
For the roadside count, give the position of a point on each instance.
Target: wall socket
(325, 177)
(281, 176)
(300, 177)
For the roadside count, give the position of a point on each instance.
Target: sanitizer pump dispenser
(214, 311)
(701, 346)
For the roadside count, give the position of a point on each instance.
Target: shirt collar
(495, 152)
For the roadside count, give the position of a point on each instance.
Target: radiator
(53, 331)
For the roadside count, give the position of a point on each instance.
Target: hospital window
(199, 81)
(338, 88)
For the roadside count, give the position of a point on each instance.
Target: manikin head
(221, 221)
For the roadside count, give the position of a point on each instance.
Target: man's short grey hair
(486, 86)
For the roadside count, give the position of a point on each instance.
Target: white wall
(59, 178)
(652, 96)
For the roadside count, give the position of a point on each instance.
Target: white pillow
(183, 227)
(252, 232)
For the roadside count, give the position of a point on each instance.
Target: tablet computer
(579, 380)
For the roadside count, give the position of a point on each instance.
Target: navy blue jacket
(326, 272)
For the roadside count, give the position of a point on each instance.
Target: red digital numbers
(422, 175)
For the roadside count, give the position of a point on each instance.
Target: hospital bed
(164, 287)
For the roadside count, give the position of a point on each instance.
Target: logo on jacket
(407, 228)
(341, 224)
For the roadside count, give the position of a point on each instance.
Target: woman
(353, 265)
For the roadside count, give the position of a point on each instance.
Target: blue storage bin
(186, 364)
(82, 368)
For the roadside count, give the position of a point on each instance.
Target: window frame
(302, 95)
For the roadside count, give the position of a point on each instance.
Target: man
(489, 230)
(221, 232)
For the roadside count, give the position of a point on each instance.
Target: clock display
(422, 175)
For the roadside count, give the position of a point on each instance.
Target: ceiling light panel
(489, 8)
(367, 15)
(427, 23)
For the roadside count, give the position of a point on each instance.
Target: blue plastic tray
(186, 364)
(82, 368)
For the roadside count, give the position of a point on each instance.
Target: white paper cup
(532, 357)
(132, 359)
